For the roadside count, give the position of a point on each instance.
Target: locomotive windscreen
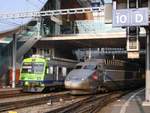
(91, 67)
(36, 67)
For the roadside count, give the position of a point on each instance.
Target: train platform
(7, 91)
(130, 103)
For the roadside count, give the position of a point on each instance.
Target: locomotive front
(32, 74)
(83, 78)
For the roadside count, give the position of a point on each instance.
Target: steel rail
(5, 106)
(90, 104)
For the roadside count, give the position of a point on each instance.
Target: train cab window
(26, 67)
(92, 67)
(38, 67)
(78, 67)
(35, 67)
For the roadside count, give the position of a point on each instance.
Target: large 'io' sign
(130, 17)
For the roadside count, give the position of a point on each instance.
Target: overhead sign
(130, 17)
(133, 55)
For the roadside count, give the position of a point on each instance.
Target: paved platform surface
(130, 103)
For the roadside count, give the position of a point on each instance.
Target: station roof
(12, 6)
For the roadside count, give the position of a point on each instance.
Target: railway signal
(133, 44)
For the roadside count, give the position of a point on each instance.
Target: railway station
(75, 56)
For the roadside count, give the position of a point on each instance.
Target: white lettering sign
(130, 17)
(138, 18)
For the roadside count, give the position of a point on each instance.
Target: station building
(63, 35)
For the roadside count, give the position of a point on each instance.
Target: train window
(38, 67)
(51, 70)
(92, 67)
(60, 71)
(78, 67)
(33, 68)
(26, 68)
(64, 71)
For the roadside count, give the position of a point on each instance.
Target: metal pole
(14, 62)
(90, 54)
(147, 68)
(38, 28)
(57, 73)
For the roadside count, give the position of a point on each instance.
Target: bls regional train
(40, 74)
(103, 75)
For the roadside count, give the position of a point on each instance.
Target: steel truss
(114, 52)
(51, 12)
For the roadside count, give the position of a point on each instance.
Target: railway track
(91, 104)
(80, 104)
(41, 99)
(14, 95)
(8, 92)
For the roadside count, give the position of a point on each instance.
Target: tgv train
(103, 75)
(39, 74)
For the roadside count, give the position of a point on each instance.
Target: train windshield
(35, 67)
(91, 67)
(78, 67)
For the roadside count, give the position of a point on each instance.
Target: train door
(50, 71)
(60, 74)
(55, 73)
(49, 74)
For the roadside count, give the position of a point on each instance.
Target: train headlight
(26, 83)
(42, 85)
(82, 79)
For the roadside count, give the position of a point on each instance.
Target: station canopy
(14, 6)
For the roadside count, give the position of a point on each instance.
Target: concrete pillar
(147, 72)
(148, 68)
(149, 4)
(90, 54)
(14, 62)
(39, 28)
(57, 26)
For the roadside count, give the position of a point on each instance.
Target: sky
(108, 1)
(12, 6)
